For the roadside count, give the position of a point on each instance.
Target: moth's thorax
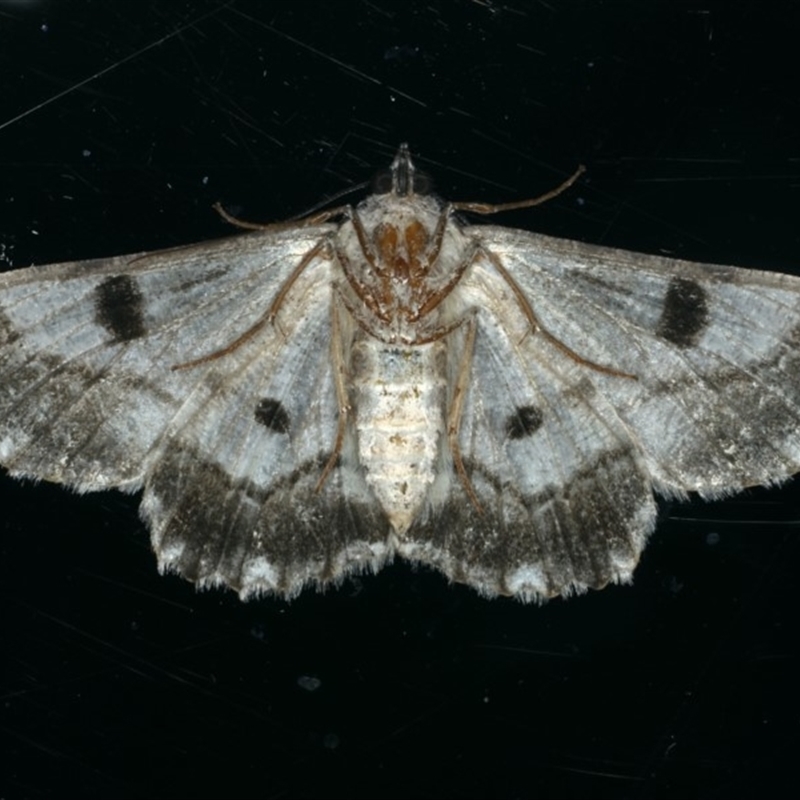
(399, 253)
(398, 400)
(400, 229)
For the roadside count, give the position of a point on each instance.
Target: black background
(120, 124)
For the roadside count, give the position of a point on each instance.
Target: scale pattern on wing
(716, 352)
(86, 388)
(230, 451)
(232, 496)
(566, 501)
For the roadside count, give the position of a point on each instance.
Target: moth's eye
(382, 182)
(423, 184)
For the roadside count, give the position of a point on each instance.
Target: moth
(312, 399)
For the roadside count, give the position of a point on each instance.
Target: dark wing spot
(271, 414)
(119, 308)
(525, 421)
(685, 313)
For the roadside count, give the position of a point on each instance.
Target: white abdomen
(398, 407)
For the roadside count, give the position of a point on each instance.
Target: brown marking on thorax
(402, 263)
(398, 277)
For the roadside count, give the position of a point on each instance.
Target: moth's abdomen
(398, 398)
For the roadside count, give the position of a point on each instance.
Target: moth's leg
(537, 327)
(367, 248)
(436, 297)
(438, 235)
(457, 408)
(323, 248)
(364, 320)
(274, 227)
(439, 333)
(340, 382)
(363, 291)
(320, 248)
(496, 208)
(367, 324)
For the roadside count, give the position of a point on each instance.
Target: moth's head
(402, 179)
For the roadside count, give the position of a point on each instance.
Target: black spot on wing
(272, 414)
(525, 421)
(685, 313)
(119, 308)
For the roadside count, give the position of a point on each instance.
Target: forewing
(715, 352)
(86, 349)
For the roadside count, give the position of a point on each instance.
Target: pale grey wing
(230, 451)
(86, 349)
(715, 351)
(234, 496)
(566, 502)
